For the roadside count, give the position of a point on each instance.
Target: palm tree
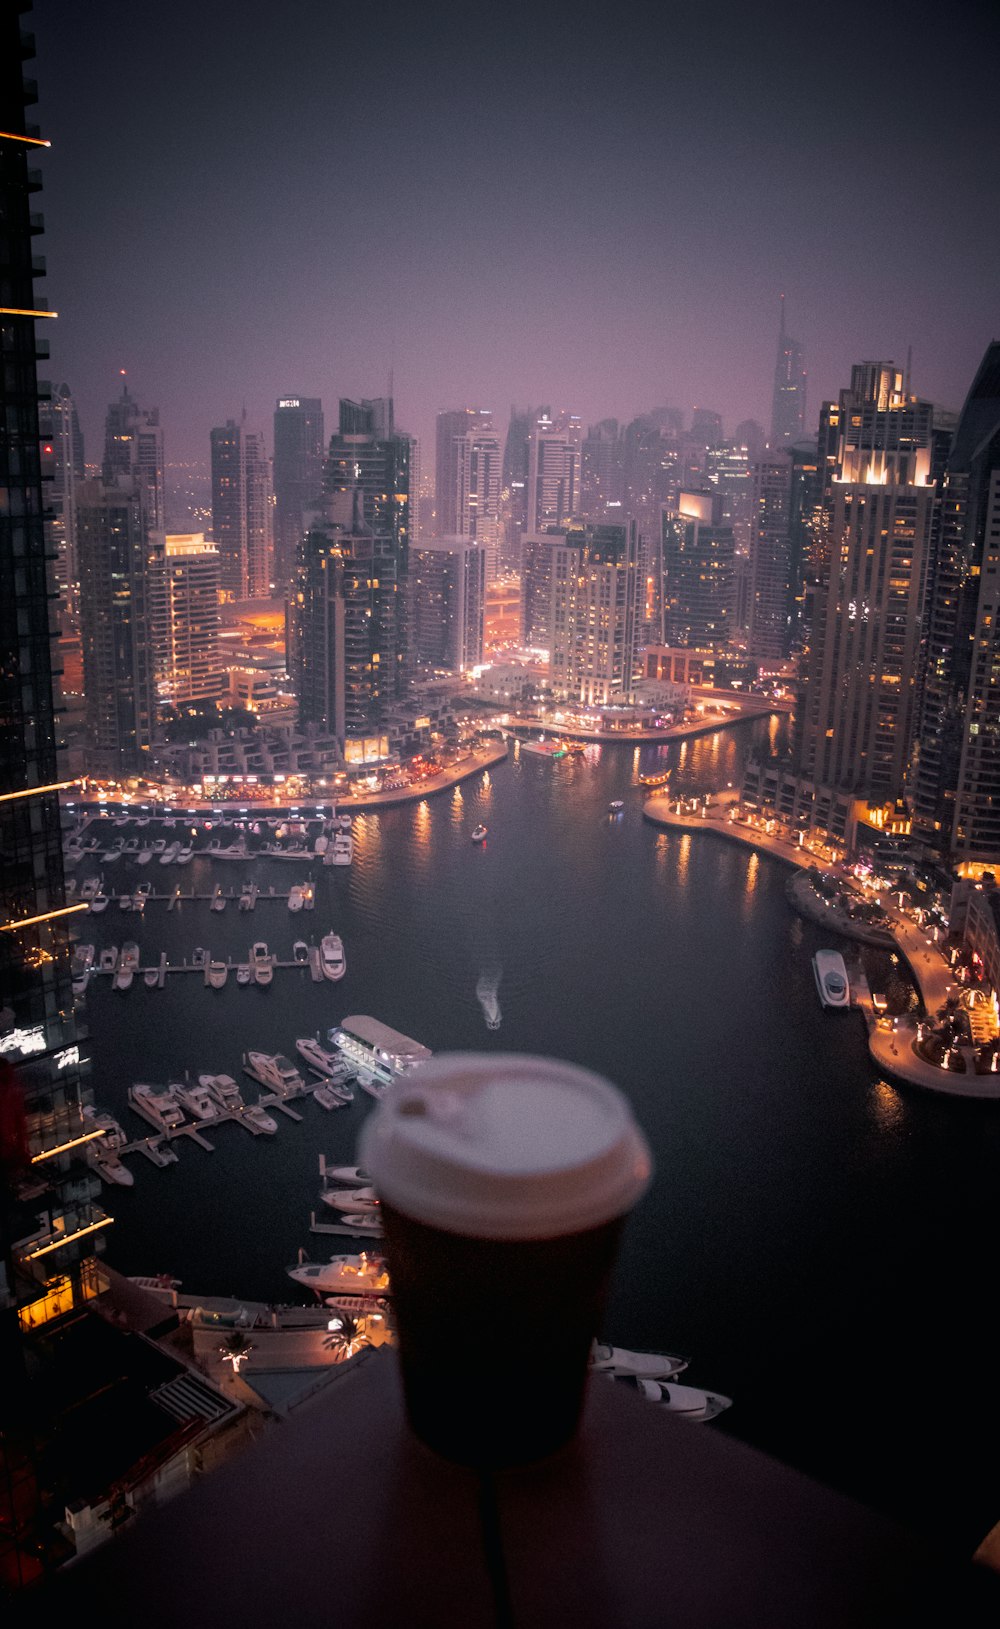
(346, 1336)
(236, 1350)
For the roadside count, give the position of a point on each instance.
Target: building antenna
(909, 366)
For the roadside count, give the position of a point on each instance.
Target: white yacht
(360, 1200)
(479, 834)
(158, 1105)
(144, 855)
(99, 903)
(170, 853)
(300, 952)
(151, 978)
(263, 968)
(354, 1275)
(342, 850)
(244, 974)
(332, 956)
(328, 1097)
(276, 1072)
(619, 1361)
(295, 897)
(196, 1099)
(125, 902)
(318, 1058)
(259, 1118)
(159, 845)
(688, 1402)
(84, 955)
(218, 972)
(89, 888)
(348, 1173)
(247, 896)
(108, 960)
(218, 901)
(225, 1092)
(831, 979)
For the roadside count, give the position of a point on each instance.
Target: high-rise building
(594, 584)
(698, 572)
(51, 1227)
(706, 427)
(514, 486)
(133, 452)
(602, 475)
(449, 602)
(788, 407)
(857, 720)
(553, 495)
(770, 556)
(62, 463)
(299, 452)
(183, 603)
(957, 781)
(241, 511)
(115, 625)
(536, 586)
(469, 476)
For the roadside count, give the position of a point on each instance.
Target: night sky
(594, 207)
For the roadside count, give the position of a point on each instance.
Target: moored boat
(332, 958)
(362, 1275)
(479, 834)
(218, 972)
(260, 960)
(158, 1104)
(831, 979)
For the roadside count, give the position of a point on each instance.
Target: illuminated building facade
(788, 406)
(594, 588)
(338, 674)
(859, 710)
(184, 618)
(370, 458)
(553, 494)
(242, 511)
(770, 556)
(116, 634)
(536, 586)
(449, 603)
(299, 451)
(133, 453)
(62, 463)
(50, 1224)
(698, 572)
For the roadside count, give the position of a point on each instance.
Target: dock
(343, 1228)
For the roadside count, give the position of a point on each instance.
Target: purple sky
(590, 206)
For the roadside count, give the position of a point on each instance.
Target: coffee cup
(504, 1182)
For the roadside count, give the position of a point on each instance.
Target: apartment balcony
(339, 1516)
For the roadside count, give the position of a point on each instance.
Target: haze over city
(585, 206)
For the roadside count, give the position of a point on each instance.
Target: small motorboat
(295, 897)
(831, 979)
(361, 1201)
(300, 951)
(99, 903)
(618, 1361)
(200, 957)
(218, 972)
(259, 1118)
(479, 834)
(218, 901)
(349, 1173)
(363, 1224)
(151, 978)
(263, 967)
(688, 1402)
(125, 902)
(327, 1098)
(108, 959)
(243, 973)
(616, 805)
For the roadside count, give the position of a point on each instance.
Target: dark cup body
(494, 1335)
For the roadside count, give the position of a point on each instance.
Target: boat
(363, 1222)
(196, 1099)
(479, 834)
(687, 1402)
(151, 978)
(331, 950)
(170, 854)
(200, 957)
(132, 846)
(139, 903)
(108, 959)
(362, 1275)
(159, 845)
(321, 844)
(295, 897)
(374, 1088)
(617, 1361)
(342, 850)
(99, 903)
(142, 891)
(318, 1058)
(130, 955)
(144, 856)
(218, 972)
(244, 974)
(616, 805)
(84, 957)
(247, 896)
(276, 1071)
(260, 959)
(348, 1173)
(659, 779)
(328, 1098)
(831, 979)
(88, 889)
(361, 1201)
(185, 854)
(300, 952)
(125, 902)
(157, 1104)
(225, 1091)
(218, 901)
(259, 1118)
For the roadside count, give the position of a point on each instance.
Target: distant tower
(63, 449)
(241, 511)
(788, 410)
(553, 474)
(115, 624)
(299, 451)
(449, 603)
(133, 449)
(594, 591)
(184, 617)
(699, 572)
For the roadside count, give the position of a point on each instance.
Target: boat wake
(486, 992)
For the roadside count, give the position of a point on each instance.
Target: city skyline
(600, 217)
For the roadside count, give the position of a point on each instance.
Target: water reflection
(751, 879)
(683, 858)
(888, 1107)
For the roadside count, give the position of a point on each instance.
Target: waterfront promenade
(735, 710)
(890, 1043)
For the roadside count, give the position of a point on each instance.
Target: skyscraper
(770, 555)
(469, 472)
(957, 783)
(133, 451)
(116, 629)
(698, 572)
(183, 609)
(299, 452)
(62, 453)
(857, 721)
(241, 511)
(594, 585)
(788, 408)
(449, 602)
(50, 1225)
(553, 495)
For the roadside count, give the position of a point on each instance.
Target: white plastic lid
(505, 1146)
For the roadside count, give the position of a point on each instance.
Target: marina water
(818, 1241)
